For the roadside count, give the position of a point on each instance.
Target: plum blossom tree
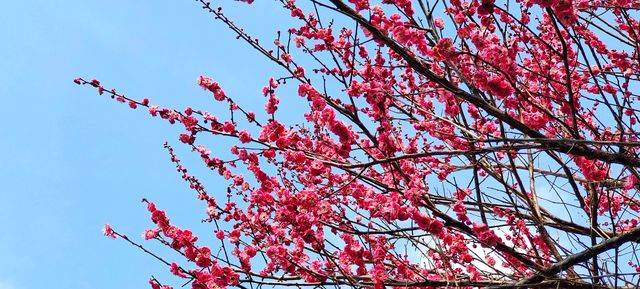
(456, 144)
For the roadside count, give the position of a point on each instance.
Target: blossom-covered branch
(459, 144)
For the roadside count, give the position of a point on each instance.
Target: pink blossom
(107, 231)
(439, 22)
(210, 85)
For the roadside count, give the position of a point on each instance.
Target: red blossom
(107, 231)
(420, 150)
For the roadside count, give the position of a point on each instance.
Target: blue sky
(73, 160)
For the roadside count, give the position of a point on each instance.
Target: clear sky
(73, 160)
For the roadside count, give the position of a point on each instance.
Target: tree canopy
(457, 144)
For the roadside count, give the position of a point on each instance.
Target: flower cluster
(465, 127)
